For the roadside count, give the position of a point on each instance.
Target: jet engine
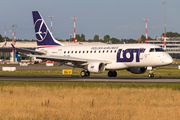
(137, 70)
(96, 67)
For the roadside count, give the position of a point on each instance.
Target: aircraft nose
(169, 60)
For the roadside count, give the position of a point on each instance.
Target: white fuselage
(120, 56)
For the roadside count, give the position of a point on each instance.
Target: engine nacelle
(137, 70)
(96, 67)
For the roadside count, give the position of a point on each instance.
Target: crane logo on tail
(40, 30)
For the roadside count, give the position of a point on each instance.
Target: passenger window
(107, 51)
(71, 51)
(87, 52)
(83, 51)
(151, 50)
(68, 52)
(79, 51)
(76, 52)
(64, 52)
(111, 51)
(94, 51)
(99, 51)
(115, 51)
(103, 51)
(91, 52)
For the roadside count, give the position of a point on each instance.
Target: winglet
(43, 35)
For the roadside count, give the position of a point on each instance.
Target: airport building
(172, 45)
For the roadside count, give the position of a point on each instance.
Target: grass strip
(90, 85)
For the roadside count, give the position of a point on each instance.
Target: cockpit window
(159, 50)
(156, 50)
(151, 50)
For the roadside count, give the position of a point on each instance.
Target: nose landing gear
(150, 75)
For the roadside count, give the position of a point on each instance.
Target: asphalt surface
(43, 78)
(38, 78)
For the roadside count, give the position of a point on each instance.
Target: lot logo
(40, 30)
(128, 55)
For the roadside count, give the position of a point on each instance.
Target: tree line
(106, 38)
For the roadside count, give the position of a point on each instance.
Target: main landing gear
(112, 73)
(85, 73)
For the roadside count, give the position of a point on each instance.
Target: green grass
(89, 85)
(162, 72)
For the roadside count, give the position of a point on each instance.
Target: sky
(121, 19)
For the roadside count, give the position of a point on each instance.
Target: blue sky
(122, 19)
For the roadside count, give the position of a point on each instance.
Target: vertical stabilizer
(43, 35)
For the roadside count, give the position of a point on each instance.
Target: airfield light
(74, 28)
(12, 33)
(51, 22)
(165, 25)
(146, 28)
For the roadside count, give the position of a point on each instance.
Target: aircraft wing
(67, 59)
(21, 50)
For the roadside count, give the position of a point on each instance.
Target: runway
(36, 78)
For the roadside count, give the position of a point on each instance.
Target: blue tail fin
(43, 35)
(14, 49)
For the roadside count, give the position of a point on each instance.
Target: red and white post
(12, 34)
(5, 35)
(74, 29)
(51, 21)
(146, 28)
(165, 25)
(14, 37)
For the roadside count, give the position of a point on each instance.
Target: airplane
(135, 58)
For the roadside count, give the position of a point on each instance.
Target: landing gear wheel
(85, 73)
(151, 75)
(112, 73)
